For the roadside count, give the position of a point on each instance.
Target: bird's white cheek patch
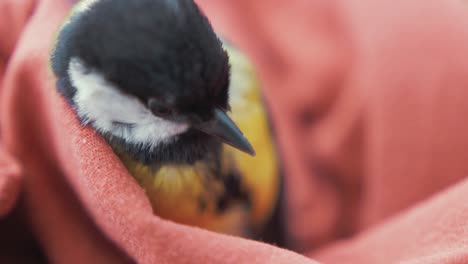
(102, 105)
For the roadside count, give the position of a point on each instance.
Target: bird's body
(226, 191)
(161, 98)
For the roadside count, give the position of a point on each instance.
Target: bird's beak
(223, 128)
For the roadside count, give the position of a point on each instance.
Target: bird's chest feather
(211, 194)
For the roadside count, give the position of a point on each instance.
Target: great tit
(158, 84)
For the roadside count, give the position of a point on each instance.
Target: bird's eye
(159, 109)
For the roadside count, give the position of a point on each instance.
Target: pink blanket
(369, 100)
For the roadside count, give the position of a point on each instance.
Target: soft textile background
(368, 100)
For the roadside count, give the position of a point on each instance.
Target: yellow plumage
(187, 193)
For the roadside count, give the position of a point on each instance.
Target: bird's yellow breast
(187, 193)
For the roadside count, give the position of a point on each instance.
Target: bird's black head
(163, 53)
(162, 49)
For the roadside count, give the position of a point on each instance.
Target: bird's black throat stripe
(187, 148)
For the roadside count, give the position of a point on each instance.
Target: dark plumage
(190, 147)
(152, 49)
(171, 53)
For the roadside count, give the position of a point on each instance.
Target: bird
(180, 106)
